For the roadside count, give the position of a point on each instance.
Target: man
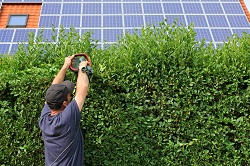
(60, 118)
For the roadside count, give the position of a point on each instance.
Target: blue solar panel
(212, 8)
(72, 1)
(12, 0)
(6, 35)
(22, 35)
(179, 19)
(14, 48)
(203, 34)
(95, 33)
(32, 1)
(112, 8)
(239, 32)
(70, 21)
(52, 0)
(217, 21)
(238, 21)
(221, 35)
(132, 8)
(49, 21)
(91, 21)
(71, 8)
(192, 8)
(91, 8)
(152, 8)
(112, 17)
(111, 35)
(232, 8)
(4, 48)
(172, 8)
(47, 34)
(154, 20)
(133, 21)
(112, 21)
(197, 20)
(133, 31)
(51, 8)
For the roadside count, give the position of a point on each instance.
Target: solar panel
(133, 21)
(95, 33)
(203, 34)
(239, 32)
(132, 8)
(111, 35)
(217, 21)
(6, 35)
(49, 21)
(197, 20)
(172, 8)
(192, 8)
(91, 21)
(176, 18)
(133, 31)
(91, 8)
(109, 8)
(232, 8)
(154, 20)
(22, 35)
(238, 21)
(70, 21)
(107, 19)
(221, 35)
(14, 48)
(112, 21)
(212, 8)
(4, 48)
(51, 8)
(74, 8)
(47, 34)
(152, 8)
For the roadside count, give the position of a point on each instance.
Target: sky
(247, 2)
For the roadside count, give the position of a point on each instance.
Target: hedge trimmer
(78, 58)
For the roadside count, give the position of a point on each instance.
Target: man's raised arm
(82, 85)
(61, 74)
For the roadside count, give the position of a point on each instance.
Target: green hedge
(160, 98)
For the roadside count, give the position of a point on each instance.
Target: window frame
(17, 26)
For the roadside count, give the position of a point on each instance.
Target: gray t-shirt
(62, 136)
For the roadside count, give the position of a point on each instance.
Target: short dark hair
(55, 106)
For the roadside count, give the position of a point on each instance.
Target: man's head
(58, 96)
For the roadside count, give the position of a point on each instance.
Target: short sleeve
(71, 115)
(45, 110)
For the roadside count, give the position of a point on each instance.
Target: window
(17, 21)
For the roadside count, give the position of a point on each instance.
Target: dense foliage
(158, 98)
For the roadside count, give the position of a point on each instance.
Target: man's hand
(83, 64)
(67, 61)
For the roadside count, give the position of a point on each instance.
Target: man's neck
(55, 112)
